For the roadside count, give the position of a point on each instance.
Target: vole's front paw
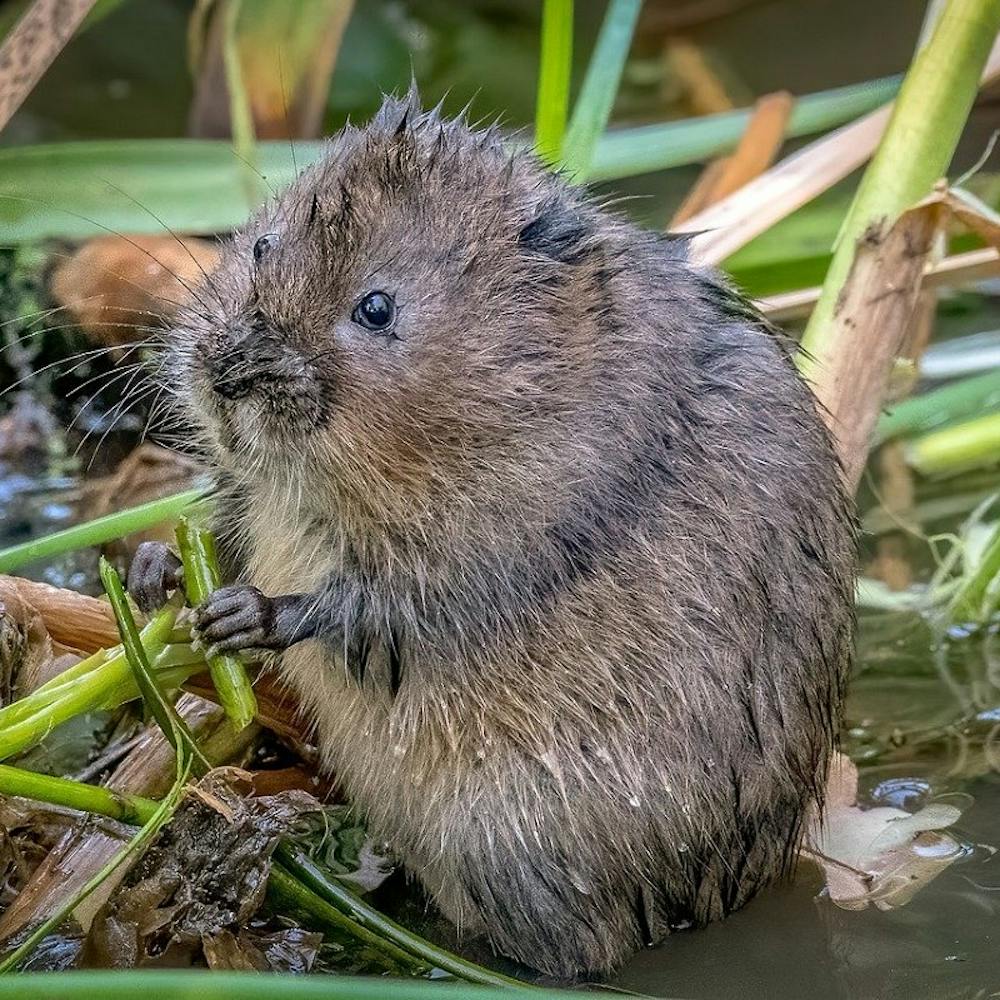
(155, 571)
(237, 617)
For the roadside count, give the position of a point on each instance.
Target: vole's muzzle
(256, 364)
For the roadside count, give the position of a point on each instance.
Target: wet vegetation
(160, 809)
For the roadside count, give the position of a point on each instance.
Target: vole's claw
(154, 572)
(236, 617)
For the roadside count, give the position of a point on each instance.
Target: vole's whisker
(194, 260)
(112, 232)
(80, 358)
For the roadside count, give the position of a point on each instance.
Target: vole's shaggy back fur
(575, 518)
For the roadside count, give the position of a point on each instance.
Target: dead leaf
(113, 286)
(26, 653)
(881, 856)
(729, 224)
(148, 769)
(758, 146)
(202, 879)
(959, 269)
(291, 950)
(73, 620)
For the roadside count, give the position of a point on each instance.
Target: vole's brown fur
(575, 527)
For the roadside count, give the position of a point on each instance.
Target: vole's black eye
(264, 245)
(375, 311)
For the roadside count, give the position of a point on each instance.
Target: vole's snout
(255, 363)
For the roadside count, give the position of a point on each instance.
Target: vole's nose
(251, 366)
(231, 386)
(234, 374)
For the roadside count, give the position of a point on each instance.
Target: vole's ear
(559, 230)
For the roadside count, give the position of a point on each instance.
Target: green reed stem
(555, 73)
(920, 139)
(98, 531)
(188, 984)
(173, 726)
(201, 577)
(108, 684)
(326, 886)
(286, 892)
(963, 446)
(968, 397)
(600, 86)
(131, 809)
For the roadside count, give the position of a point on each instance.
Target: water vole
(552, 537)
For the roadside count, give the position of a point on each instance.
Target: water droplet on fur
(634, 801)
(683, 847)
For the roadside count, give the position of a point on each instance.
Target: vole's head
(419, 309)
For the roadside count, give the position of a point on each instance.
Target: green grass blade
(314, 877)
(98, 531)
(173, 726)
(973, 601)
(969, 397)
(600, 85)
(642, 149)
(240, 115)
(188, 984)
(555, 72)
(201, 577)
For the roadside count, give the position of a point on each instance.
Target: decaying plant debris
(198, 888)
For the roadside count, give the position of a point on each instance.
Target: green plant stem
(131, 809)
(171, 724)
(975, 600)
(201, 577)
(189, 984)
(555, 71)
(240, 114)
(917, 147)
(958, 448)
(111, 683)
(286, 892)
(312, 875)
(600, 85)
(966, 398)
(100, 530)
